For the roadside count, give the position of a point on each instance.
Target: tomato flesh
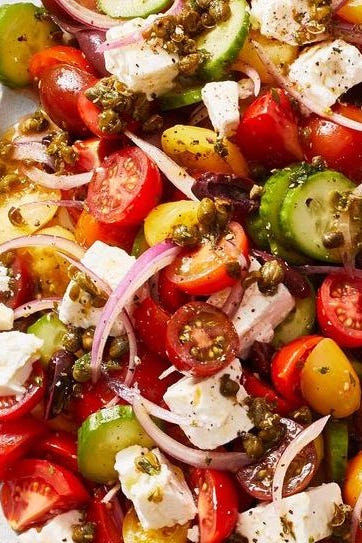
(104, 516)
(59, 54)
(88, 230)
(12, 407)
(151, 325)
(21, 284)
(59, 447)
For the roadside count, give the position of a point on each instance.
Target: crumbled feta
(285, 20)
(327, 70)
(222, 103)
(304, 517)
(18, 351)
(258, 315)
(110, 264)
(193, 534)
(6, 317)
(214, 419)
(4, 279)
(143, 68)
(57, 530)
(161, 498)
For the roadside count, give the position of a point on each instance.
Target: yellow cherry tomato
(352, 487)
(194, 147)
(328, 381)
(160, 222)
(133, 532)
(352, 12)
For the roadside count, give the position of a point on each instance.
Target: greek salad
(181, 271)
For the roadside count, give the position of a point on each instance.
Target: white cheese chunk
(18, 351)
(160, 499)
(4, 279)
(57, 530)
(110, 264)
(258, 315)
(305, 517)
(6, 317)
(143, 68)
(327, 70)
(214, 419)
(222, 103)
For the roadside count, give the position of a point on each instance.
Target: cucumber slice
(308, 211)
(181, 98)
(223, 43)
(102, 435)
(255, 227)
(336, 447)
(51, 330)
(299, 322)
(23, 32)
(127, 9)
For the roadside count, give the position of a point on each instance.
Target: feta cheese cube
(161, 498)
(4, 279)
(57, 530)
(327, 70)
(18, 351)
(222, 103)
(6, 317)
(143, 68)
(305, 517)
(214, 419)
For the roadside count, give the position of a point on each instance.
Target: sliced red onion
(34, 306)
(54, 181)
(149, 263)
(174, 173)
(132, 346)
(252, 74)
(233, 300)
(167, 372)
(305, 102)
(89, 41)
(338, 4)
(199, 114)
(43, 240)
(305, 437)
(86, 16)
(311, 270)
(32, 150)
(230, 461)
(356, 518)
(349, 32)
(111, 493)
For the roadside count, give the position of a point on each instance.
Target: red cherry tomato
(59, 88)
(210, 268)
(36, 490)
(171, 298)
(268, 131)
(151, 325)
(217, 504)
(201, 339)
(59, 447)
(340, 147)
(255, 387)
(21, 284)
(92, 152)
(16, 438)
(339, 309)
(88, 230)
(106, 518)
(59, 54)
(125, 189)
(14, 407)
(287, 364)
(91, 399)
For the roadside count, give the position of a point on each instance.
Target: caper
(303, 415)
(15, 217)
(228, 387)
(271, 275)
(83, 533)
(206, 212)
(188, 46)
(118, 347)
(36, 123)
(85, 283)
(87, 339)
(190, 20)
(82, 369)
(219, 10)
(110, 122)
(72, 340)
(203, 4)
(189, 64)
(186, 236)
(207, 20)
(333, 239)
(253, 446)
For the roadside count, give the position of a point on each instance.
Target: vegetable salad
(181, 272)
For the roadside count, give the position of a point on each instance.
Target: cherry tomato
(340, 147)
(210, 268)
(58, 54)
(91, 399)
(125, 189)
(91, 153)
(201, 339)
(105, 517)
(352, 486)
(36, 490)
(351, 11)
(287, 364)
(171, 298)
(16, 438)
(88, 230)
(21, 284)
(217, 504)
(133, 532)
(59, 447)
(268, 131)
(257, 388)
(328, 381)
(150, 322)
(339, 309)
(14, 407)
(296, 480)
(59, 88)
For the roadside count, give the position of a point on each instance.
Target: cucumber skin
(157, 7)
(336, 440)
(215, 69)
(175, 100)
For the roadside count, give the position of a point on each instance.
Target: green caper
(228, 387)
(110, 122)
(206, 212)
(82, 369)
(219, 10)
(36, 123)
(190, 20)
(84, 533)
(118, 347)
(61, 151)
(233, 269)
(303, 415)
(207, 20)
(87, 339)
(271, 275)
(253, 446)
(188, 46)
(72, 340)
(85, 283)
(186, 236)
(15, 217)
(189, 64)
(333, 239)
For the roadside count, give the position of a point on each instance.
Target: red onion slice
(111, 493)
(43, 240)
(233, 300)
(34, 306)
(310, 270)
(338, 4)
(252, 74)
(356, 518)
(86, 16)
(230, 461)
(32, 150)
(305, 437)
(174, 173)
(54, 181)
(199, 114)
(349, 32)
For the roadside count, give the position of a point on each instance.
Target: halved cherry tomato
(92, 152)
(171, 298)
(268, 131)
(91, 399)
(88, 230)
(210, 268)
(58, 54)
(287, 364)
(36, 490)
(59, 447)
(125, 188)
(21, 284)
(201, 339)
(339, 309)
(217, 504)
(16, 438)
(105, 517)
(14, 407)
(257, 388)
(151, 325)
